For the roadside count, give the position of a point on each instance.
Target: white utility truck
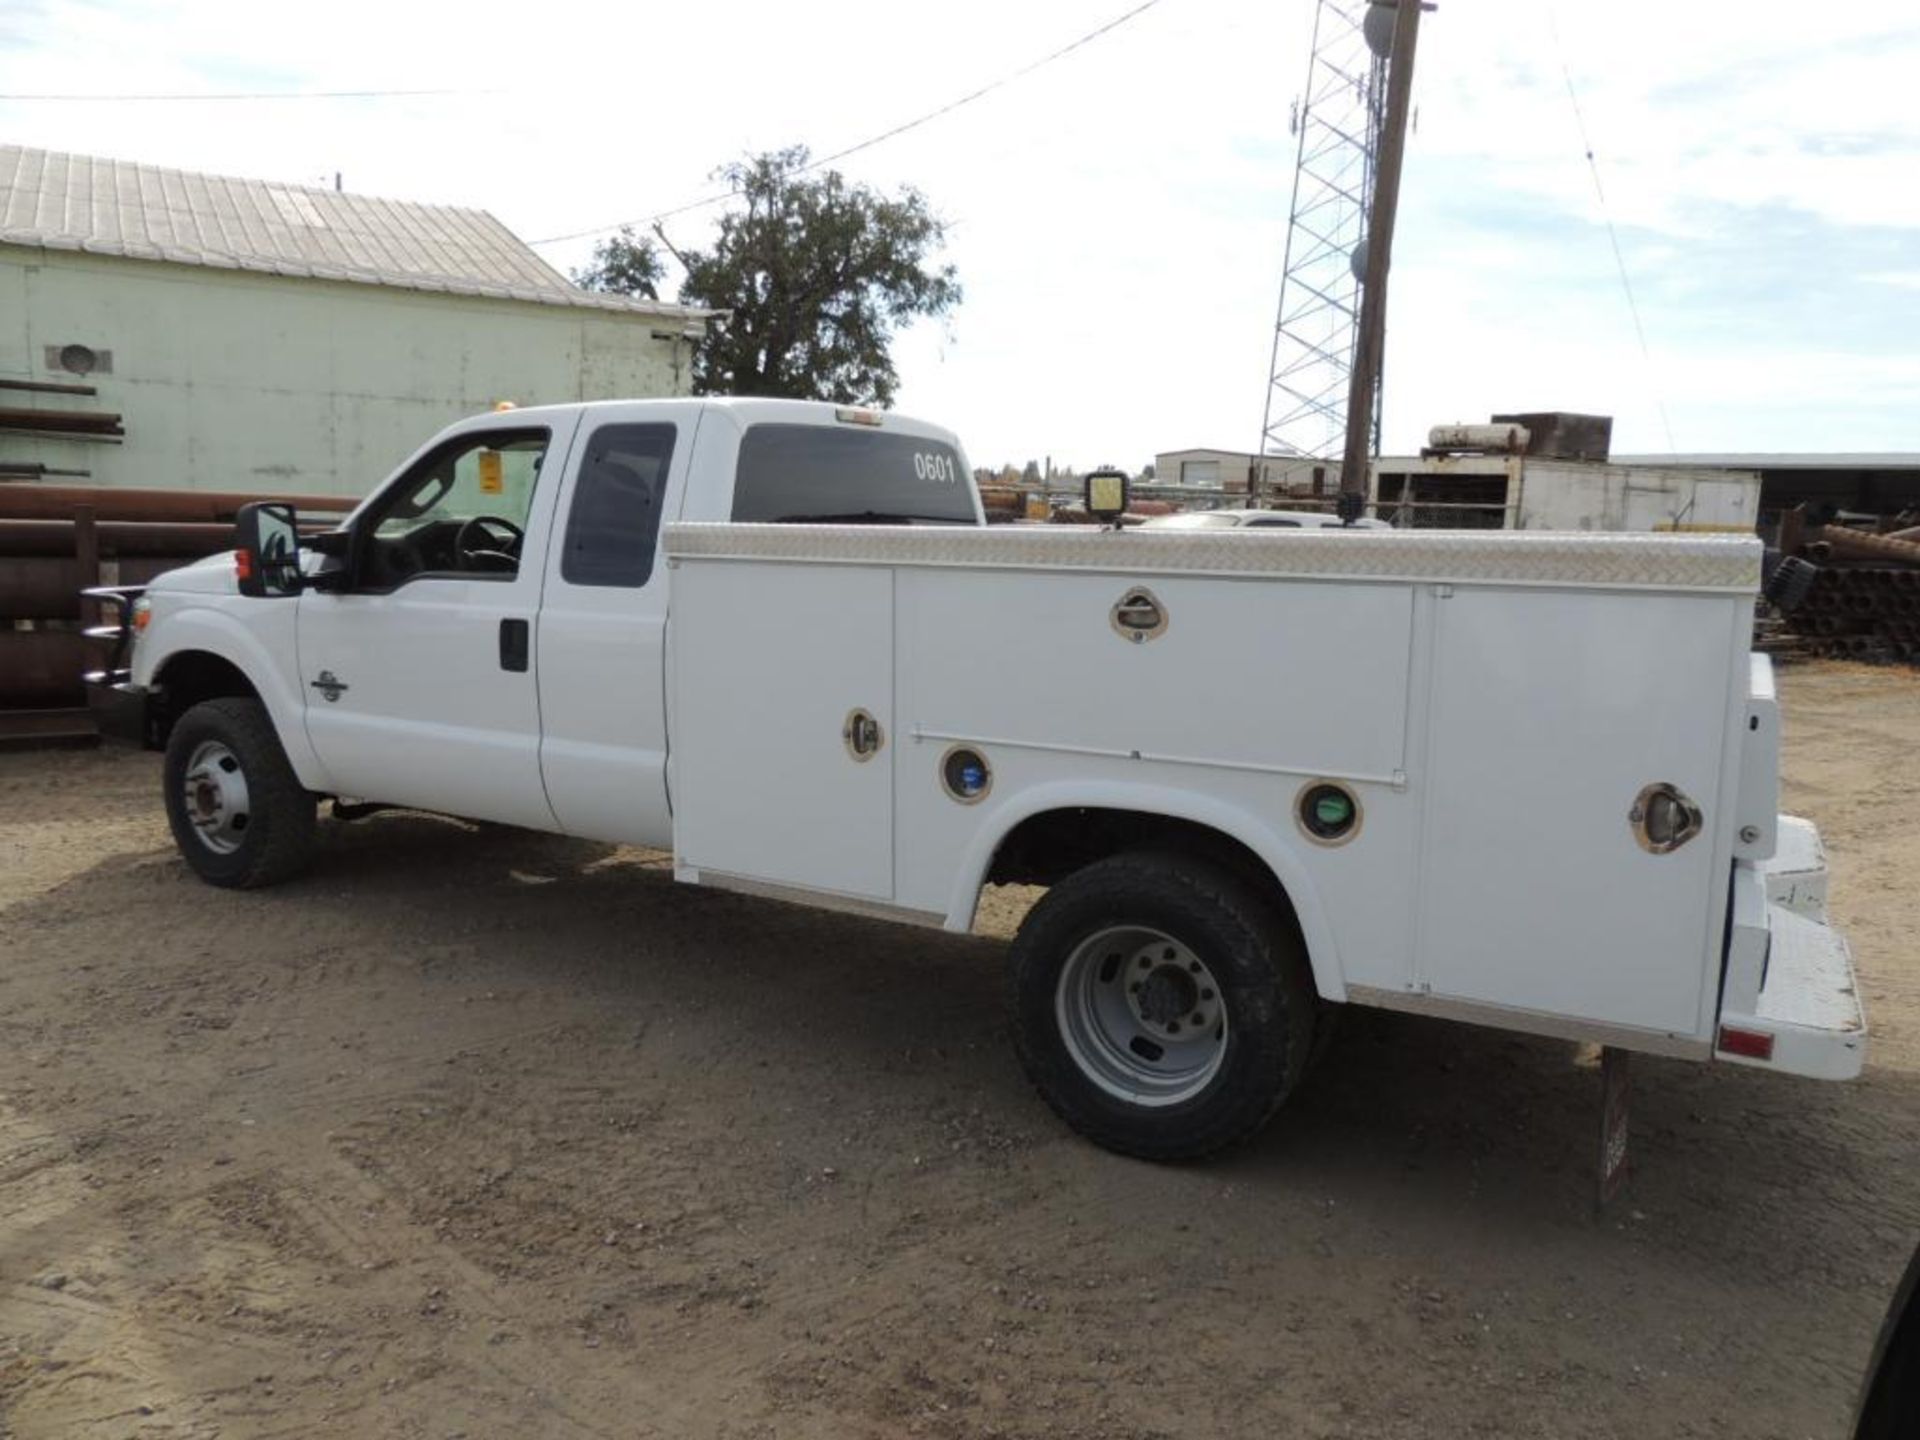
(1524, 780)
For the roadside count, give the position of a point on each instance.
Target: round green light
(1332, 810)
(1328, 812)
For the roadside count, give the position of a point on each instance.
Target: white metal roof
(117, 207)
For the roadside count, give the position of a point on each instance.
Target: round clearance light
(78, 359)
(965, 775)
(1329, 813)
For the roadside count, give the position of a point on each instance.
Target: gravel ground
(477, 1133)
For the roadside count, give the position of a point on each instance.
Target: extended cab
(1524, 780)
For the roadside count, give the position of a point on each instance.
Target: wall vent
(78, 359)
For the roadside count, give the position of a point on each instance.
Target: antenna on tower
(1338, 121)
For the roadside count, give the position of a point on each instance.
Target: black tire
(1250, 954)
(274, 838)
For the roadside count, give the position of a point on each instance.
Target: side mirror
(266, 557)
(1106, 495)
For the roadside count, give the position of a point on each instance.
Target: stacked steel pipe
(1864, 602)
(55, 541)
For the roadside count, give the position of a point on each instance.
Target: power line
(873, 140)
(248, 95)
(1613, 235)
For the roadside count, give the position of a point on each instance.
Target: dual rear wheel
(1162, 1005)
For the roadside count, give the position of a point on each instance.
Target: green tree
(624, 264)
(818, 274)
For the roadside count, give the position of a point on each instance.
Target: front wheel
(238, 812)
(1161, 1006)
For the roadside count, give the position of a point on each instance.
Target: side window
(462, 511)
(614, 523)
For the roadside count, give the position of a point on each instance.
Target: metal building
(1228, 470)
(167, 329)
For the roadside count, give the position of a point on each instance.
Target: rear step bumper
(1806, 1017)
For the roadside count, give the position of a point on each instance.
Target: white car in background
(1257, 519)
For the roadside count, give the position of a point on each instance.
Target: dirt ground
(487, 1134)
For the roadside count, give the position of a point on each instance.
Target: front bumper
(123, 712)
(1804, 1017)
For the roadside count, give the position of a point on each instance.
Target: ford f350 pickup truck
(1518, 779)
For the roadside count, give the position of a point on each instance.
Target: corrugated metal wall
(234, 381)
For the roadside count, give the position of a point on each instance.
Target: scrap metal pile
(1844, 592)
(55, 541)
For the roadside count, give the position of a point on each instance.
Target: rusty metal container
(41, 668)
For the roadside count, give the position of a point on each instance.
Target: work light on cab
(1106, 495)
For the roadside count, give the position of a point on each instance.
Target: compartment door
(1551, 712)
(769, 662)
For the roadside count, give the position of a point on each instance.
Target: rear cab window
(830, 474)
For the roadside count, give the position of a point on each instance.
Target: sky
(1117, 218)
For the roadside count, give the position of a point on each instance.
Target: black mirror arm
(327, 542)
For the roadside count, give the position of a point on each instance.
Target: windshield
(826, 474)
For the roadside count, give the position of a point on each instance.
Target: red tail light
(1753, 1044)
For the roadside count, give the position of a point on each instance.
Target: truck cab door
(419, 670)
(603, 625)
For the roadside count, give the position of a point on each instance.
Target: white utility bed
(1493, 703)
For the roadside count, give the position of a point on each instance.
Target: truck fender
(1273, 850)
(213, 631)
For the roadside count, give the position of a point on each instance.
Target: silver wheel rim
(215, 790)
(1142, 1015)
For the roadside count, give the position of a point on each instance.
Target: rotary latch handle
(862, 734)
(1138, 615)
(1663, 818)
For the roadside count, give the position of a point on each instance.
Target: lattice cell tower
(1337, 120)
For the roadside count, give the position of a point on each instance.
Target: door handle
(513, 645)
(863, 735)
(1138, 615)
(1664, 818)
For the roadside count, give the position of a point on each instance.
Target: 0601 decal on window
(935, 468)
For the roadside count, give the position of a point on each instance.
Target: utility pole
(1373, 286)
